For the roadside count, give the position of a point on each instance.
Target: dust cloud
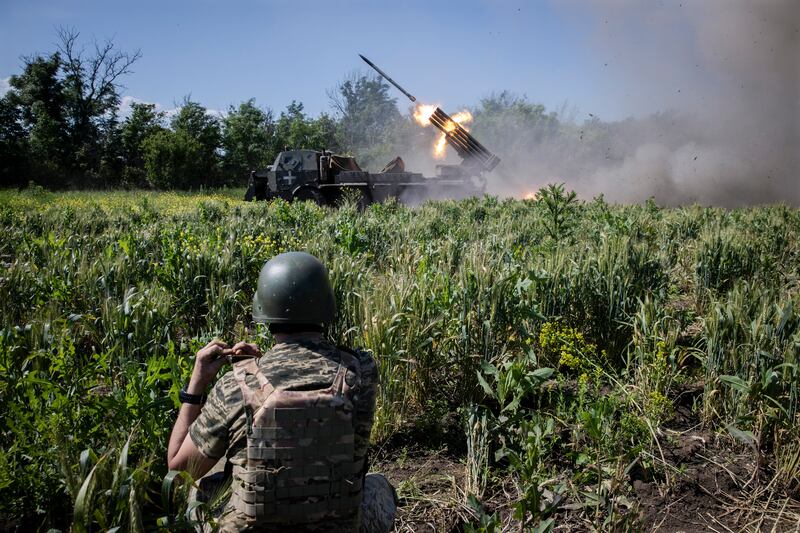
(726, 75)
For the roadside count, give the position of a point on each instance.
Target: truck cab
(305, 175)
(292, 169)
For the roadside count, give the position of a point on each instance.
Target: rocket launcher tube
(465, 144)
(460, 137)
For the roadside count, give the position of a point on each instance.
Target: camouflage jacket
(303, 362)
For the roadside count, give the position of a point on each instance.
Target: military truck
(322, 177)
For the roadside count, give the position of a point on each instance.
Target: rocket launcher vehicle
(324, 177)
(468, 148)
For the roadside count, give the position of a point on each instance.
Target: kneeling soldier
(294, 423)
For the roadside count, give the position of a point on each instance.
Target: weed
(560, 331)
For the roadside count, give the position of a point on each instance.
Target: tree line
(61, 127)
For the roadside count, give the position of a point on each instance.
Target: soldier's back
(302, 363)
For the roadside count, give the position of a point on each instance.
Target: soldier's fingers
(219, 351)
(217, 342)
(216, 350)
(246, 348)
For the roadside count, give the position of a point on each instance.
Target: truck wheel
(309, 194)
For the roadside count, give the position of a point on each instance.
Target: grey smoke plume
(728, 71)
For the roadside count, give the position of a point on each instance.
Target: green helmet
(293, 288)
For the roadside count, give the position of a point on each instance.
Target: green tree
(248, 139)
(367, 117)
(91, 99)
(295, 130)
(194, 121)
(515, 120)
(290, 129)
(143, 122)
(13, 145)
(172, 159)
(66, 107)
(111, 170)
(35, 104)
(322, 133)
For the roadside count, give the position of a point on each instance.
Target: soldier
(293, 423)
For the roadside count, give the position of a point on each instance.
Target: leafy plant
(511, 381)
(565, 334)
(560, 210)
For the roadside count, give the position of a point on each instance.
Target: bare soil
(429, 486)
(705, 482)
(712, 485)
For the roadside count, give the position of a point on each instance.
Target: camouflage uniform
(303, 362)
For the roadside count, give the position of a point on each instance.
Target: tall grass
(107, 296)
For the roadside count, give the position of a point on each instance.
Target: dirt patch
(691, 496)
(702, 484)
(429, 485)
(710, 487)
(692, 479)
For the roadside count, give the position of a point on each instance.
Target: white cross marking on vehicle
(289, 178)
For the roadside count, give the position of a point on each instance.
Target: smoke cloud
(726, 74)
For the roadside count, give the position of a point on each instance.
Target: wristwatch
(194, 399)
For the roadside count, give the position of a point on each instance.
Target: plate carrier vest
(300, 450)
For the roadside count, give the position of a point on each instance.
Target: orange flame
(460, 118)
(422, 114)
(463, 117)
(440, 146)
(529, 196)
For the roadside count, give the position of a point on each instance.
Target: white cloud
(216, 113)
(126, 103)
(126, 106)
(5, 85)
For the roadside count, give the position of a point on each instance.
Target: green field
(544, 363)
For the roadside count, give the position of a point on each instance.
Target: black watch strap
(194, 399)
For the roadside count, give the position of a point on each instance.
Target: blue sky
(450, 53)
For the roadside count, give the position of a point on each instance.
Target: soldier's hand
(244, 348)
(209, 360)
